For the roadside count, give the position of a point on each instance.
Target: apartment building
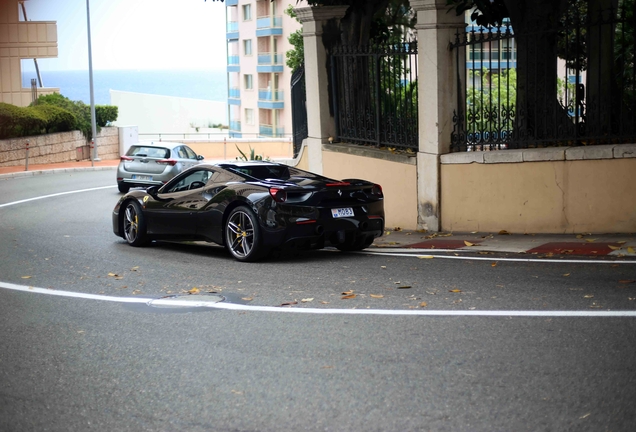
(21, 39)
(259, 100)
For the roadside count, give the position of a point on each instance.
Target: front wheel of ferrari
(242, 235)
(134, 224)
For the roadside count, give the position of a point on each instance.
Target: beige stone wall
(573, 190)
(58, 147)
(227, 149)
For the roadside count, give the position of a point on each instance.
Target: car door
(174, 210)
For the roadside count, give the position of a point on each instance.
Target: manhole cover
(186, 300)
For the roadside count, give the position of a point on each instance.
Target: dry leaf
(621, 242)
(590, 240)
(194, 290)
(387, 232)
(306, 300)
(566, 274)
(27, 277)
(376, 295)
(347, 292)
(423, 304)
(567, 251)
(404, 287)
(630, 250)
(397, 229)
(614, 247)
(425, 256)
(350, 296)
(579, 236)
(289, 303)
(494, 264)
(112, 274)
(588, 296)
(324, 302)
(504, 232)
(467, 243)
(248, 298)
(455, 290)
(383, 267)
(135, 268)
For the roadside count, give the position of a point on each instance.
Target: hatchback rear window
(152, 152)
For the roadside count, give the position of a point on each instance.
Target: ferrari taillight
(170, 162)
(377, 190)
(279, 195)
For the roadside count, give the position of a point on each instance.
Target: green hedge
(53, 113)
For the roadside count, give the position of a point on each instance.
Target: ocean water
(196, 84)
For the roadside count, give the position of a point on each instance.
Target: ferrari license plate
(342, 212)
(141, 177)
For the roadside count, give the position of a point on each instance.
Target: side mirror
(199, 157)
(152, 190)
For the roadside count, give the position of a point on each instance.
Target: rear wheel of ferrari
(134, 224)
(242, 235)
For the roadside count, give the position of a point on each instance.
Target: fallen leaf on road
(248, 298)
(566, 274)
(404, 287)
(387, 232)
(383, 267)
(467, 243)
(112, 274)
(423, 304)
(135, 268)
(377, 295)
(324, 302)
(347, 292)
(194, 290)
(27, 277)
(307, 300)
(614, 247)
(626, 281)
(425, 256)
(494, 264)
(630, 250)
(350, 296)
(455, 290)
(504, 232)
(397, 229)
(237, 392)
(289, 303)
(588, 296)
(590, 240)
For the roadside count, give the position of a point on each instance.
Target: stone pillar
(437, 97)
(320, 122)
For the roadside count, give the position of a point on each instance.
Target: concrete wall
(559, 190)
(155, 114)
(226, 149)
(58, 147)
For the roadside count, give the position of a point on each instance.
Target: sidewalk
(19, 171)
(541, 245)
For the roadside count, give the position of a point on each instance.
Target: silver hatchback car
(147, 164)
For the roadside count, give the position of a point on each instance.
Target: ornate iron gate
(299, 108)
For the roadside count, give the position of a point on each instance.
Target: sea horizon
(203, 84)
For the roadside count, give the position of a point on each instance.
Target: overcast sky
(134, 34)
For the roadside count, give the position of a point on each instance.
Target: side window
(194, 180)
(181, 153)
(191, 154)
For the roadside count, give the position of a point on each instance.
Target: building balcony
(234, 96)
(269, 26)
(232, 30)
(270, 62)
(231, 2)
(270, 131)
(233, 63)
(270, 99)
(235, 126)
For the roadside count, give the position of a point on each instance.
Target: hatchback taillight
(279, 195)
(170, 162)
(125, 159)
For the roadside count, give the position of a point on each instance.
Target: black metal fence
(573, 85)
(374, 95)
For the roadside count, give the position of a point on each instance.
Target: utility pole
(94, 156)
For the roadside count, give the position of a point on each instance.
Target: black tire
(355, 244)
(134, 224)
(243, 235)
(123, 187)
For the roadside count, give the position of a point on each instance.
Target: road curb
(55, 171)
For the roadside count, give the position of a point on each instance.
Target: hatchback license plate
(342, 212)
(141, 177)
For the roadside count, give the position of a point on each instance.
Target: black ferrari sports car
(253, 208)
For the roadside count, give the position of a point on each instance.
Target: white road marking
(54, 195)
(433, 253)
(388, 312)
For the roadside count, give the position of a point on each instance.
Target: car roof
(162, 144)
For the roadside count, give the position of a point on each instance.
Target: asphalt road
(76, 364)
